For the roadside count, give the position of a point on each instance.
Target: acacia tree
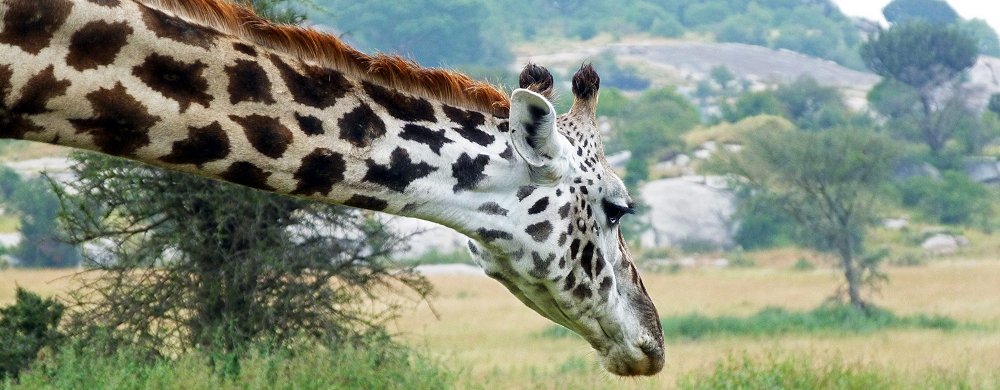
(925, 57)
(829, 183)
(186, 262)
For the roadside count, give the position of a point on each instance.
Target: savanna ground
(476, 328)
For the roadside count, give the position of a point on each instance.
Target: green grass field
(482, 337)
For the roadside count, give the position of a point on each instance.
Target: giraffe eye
(615, 212)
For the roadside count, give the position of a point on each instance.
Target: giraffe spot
(539, 231)
(564, 211)
(177, 29)
(507, 154)
(248, 82)
(400, 172)
(245, 49)
(409, 208)
(503, 127)
(402, 107)
(582, 292)
(492, 208)
(473, 248)
(540, 266)
(490, 235)
(574, 248)
(598, 262)
(247, 174)
(34, 99)
(469, 171)
(562, 240)
(265, 133)
(174, 79)
(106, 3)
(31, 24)
(366, 202)
(97, 44)
(361, 126)
(539, 206)
(587, 259)
(570, 281)
(433, 139)
(309, 124)
(319, 87)
(203, 144)
(469, 123)
(319, 171)
(606, 284)
(120, 124)
(525, 191)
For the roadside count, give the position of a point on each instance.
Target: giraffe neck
(127, 79)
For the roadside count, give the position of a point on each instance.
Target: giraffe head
(567, 259)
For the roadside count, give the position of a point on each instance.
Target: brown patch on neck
(324, 49)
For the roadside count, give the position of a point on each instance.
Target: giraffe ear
(533, 132)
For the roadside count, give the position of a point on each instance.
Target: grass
(802, 372)
(476, 325)
(378, 366)
(773, 321)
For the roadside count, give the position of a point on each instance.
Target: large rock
(983, 169)
(944, 244)
(693, 209)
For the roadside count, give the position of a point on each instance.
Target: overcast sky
(988, 10)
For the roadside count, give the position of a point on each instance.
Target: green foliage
(772, 321)
(41, 244)
(989, 42)
(653, 126)
(804, 373)
(764, 223)
(432, 32)
(920, 54)
(373, 365)
(808, 104)
(828, 181)
(194, 263)
(934, 11)
(612, 102)
(953, 199)
(26, 327)
(803, 265)
(836, 319)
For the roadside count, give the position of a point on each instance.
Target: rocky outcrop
(691, 209)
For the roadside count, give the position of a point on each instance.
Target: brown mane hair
(325, 49)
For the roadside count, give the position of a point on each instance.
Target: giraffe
(207, 87)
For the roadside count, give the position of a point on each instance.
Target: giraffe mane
(325, 49)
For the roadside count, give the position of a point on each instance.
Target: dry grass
(484, 328)
(495, 340)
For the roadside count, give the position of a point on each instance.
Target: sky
(988, 10)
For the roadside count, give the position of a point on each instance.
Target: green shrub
(803, 265)
(26, 327)
(375, 365)
(954, 199)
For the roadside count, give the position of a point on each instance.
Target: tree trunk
(853, 278)
(932, 135)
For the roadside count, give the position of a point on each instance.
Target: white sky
(988, 10)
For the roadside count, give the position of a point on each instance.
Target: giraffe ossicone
(207, 87)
